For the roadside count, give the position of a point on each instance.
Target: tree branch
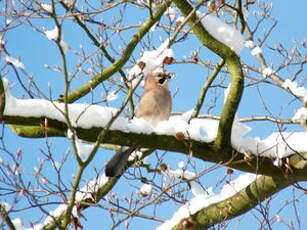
(234, 67)
(205, 88)
(201, 150)
(6, 218)
(2, 99)
(243, 201)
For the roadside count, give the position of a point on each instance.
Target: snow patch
(7, 207)
(256, 51)
(146, 190)
(91, 187)
(249, 44)
(14, 62)
(280, 144)
(266, 72)
(47, 7)
(18, 224)
(52, 34)
(112, 96)
(181, 173)
(171, 13)
(151, 61)
(300, 92)
(300, 115)
(181, 164)
(223, 32)
(204, 200)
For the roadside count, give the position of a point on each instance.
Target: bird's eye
(161, 80)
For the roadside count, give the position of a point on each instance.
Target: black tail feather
(117, 164)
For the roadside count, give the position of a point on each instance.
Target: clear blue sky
(35, 50)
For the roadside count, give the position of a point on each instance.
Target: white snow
(193, 130)
(8, 21)
(135, 155)
(52, 34)
(180, 173)
(55, 213)
(44, 180)
(47, 7)
(91, 186)
(256, 51)
(249, 44)
(223, 32)
(300, 115)
(146, 190)
(181, 164)
(280, 144)
(81, 115)
(151, 60)
(69, 134)
(266, 72)
(171, 13)
(206, 199)
(57, 165)
(18, 224)
(14, 62)
(36, 227)
(300, 92)
(112, 96)
(7, 207)
(180, 19)
(277, 145)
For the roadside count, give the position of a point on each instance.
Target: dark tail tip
(109, 172)
(116, 166)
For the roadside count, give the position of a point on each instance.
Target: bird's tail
(118, 162)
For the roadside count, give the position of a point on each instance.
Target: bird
(154, 106)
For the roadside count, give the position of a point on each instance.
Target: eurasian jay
(155, 105)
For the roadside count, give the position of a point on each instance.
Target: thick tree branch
(243, 201)
(201, 150)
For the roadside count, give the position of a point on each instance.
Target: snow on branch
(276, 146)
(287, 84)
(204, 200)
(300, 115)
(223, 32)
(186, 175)
(54, 35)
(300, 92)
(152, 60)
(15, 62)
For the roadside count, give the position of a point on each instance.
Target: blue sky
(35, 50)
